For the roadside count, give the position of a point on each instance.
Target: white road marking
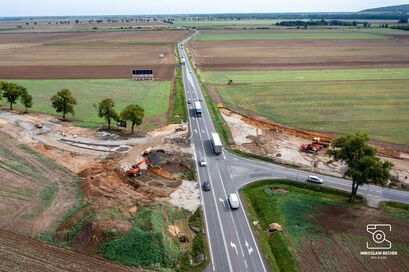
(245, 263)
(233, 245)
(249, 248)
(196, 131)
(222, 201)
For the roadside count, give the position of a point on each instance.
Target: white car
(315, 179)
(203, 162)
(233, 201)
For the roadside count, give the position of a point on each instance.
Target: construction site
(92, 184)
(302, 148)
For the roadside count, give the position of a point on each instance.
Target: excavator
(136, 168)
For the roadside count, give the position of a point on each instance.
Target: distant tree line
(321, 22)
(406, 28)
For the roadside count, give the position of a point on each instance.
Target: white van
(315, 179)
(233, 201)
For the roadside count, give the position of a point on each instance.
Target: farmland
(325, 80)
(229, 23)
(87, 55)
(378, 107)
(300, 50)
(320, 229)
(152, 95)
(284, 34)
(36, 193)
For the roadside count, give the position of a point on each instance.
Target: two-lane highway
(232, 243)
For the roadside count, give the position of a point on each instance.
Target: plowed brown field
(20, 253)
(87, 55)
(300, 54)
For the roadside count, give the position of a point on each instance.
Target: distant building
(143, 74)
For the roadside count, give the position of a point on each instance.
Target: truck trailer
(198, 109)
(216, 144)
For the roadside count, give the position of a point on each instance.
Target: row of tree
(322, 22)
(64, 103)
(14, 93)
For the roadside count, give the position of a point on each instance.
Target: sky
(136, 7)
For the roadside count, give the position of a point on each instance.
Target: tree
(364, 167)
(64, 102)
(12, 92)
(27, 100)
(106, 110)
(134, 114)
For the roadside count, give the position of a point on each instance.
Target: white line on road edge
(204, 211)
(251, 232)
(222, 201)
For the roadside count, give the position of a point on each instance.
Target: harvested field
(300, 54)
(35, 193)
(321, 231)
(88, 55)
(20, 253)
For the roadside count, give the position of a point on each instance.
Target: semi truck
(198, 109)
(216, 144)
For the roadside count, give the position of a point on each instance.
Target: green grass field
(153, 96)
(310, 240)
(290, 34)
(379, 108)
(221, 77)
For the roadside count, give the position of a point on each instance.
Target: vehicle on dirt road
(233, 201)
(315, 179)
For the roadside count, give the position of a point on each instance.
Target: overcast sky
(125, 7)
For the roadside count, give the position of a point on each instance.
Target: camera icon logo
(379, 236)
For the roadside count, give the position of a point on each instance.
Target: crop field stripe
(293, 34)
(73, 43)
(376, 107)
(221, 77)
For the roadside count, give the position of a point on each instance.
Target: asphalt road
(232, 242)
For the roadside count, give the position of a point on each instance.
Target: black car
(206, 186)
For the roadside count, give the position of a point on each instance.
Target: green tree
(64, 102)
(106, 110)
(12, 92)
(134, 114)
(364, 167)
(26, 99)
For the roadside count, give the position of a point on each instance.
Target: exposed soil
(101, 55)
(35, 193)
(35, 256)
(347, 230)
(263, 137)
(300, 54)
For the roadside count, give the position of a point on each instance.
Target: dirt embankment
(258, 136)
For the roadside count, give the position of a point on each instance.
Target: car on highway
(233, 201)
(206, 186)
(315, 179)
(200, 98)
(189, 101)
(203, 162)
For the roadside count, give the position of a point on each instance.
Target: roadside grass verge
(153, 96)
(179, 111)
(308, 213)
(239, 77)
